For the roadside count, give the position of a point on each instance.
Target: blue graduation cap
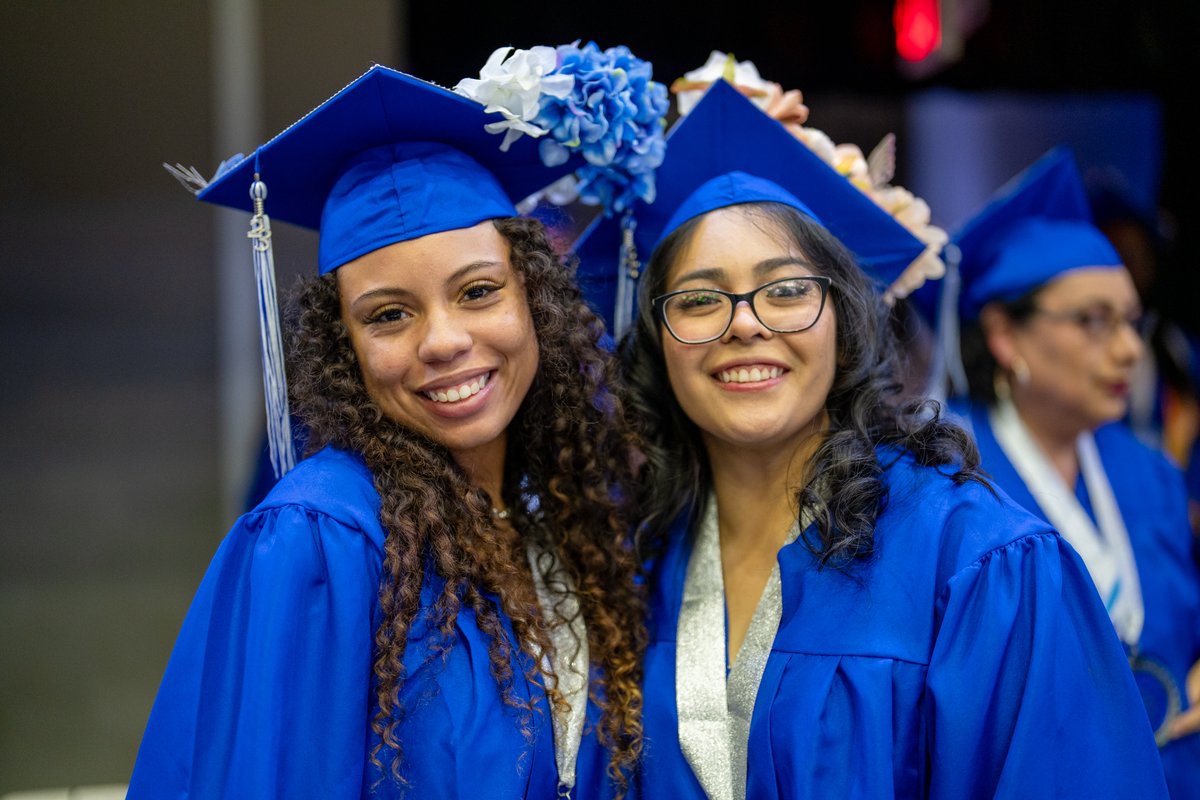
(725, 152)
(387, 159)
(1037, 226)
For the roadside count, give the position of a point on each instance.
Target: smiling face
(1079, 349)
(752, 388)
(443, 334)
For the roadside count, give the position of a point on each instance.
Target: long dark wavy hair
(568, 448)
(843, 487)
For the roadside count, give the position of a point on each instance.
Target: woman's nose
(443, 337)
(1127, 343)
(745, 324)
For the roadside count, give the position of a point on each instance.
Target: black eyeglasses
(1098, 324)
(788, 305)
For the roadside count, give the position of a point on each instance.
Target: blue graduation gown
(970, 658)
(268, 693)
(1153, 500)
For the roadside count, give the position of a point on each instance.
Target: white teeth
(458, 393)
(751, 375)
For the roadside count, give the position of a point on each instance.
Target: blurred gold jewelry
(1000, 385)
(1020, 370)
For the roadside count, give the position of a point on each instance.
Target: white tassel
(191, 179)
(279, 426)
(627, 275)
(188, 177)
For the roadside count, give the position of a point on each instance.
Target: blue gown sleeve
(267, 693)
(1029, 694)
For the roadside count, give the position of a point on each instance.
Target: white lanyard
(1106, 550)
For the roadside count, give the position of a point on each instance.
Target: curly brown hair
(568, 448)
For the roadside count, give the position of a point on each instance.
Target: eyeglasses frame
(1077, 317)
(660, 302)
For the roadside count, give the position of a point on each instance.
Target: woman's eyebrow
(769, 265)
(702, 274)
(1084, 302)
(764, 267)
(400, 291)
(383, 292)
(467, 269)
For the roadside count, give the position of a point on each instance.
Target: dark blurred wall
(108, 474)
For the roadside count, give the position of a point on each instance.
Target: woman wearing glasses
(1049, 343)
(840, 606)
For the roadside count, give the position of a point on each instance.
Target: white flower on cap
(512, 82)
(741, 74)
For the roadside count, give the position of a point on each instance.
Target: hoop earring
(1020, 370)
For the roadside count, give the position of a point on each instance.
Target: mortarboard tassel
(948, 325)
(626, 279)
(279, 427)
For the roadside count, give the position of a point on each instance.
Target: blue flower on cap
(603, 104)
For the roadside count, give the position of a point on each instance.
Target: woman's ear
(999, 332)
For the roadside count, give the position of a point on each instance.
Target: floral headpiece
(602, 104)
(872, 174)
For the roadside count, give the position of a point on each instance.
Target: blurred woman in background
(1049, 339)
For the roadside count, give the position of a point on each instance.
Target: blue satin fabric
(268, 693)
(970, 657)
(1151, 494)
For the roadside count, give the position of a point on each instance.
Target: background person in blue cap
(840, 605)
(1049, 342)
(423, 606)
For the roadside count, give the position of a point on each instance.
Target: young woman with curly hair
(840, 606)
(439, 599)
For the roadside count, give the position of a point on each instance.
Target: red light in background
(918, 28)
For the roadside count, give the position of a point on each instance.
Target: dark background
(842, 55)
(112, 485)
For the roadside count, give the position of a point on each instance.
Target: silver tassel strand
(627, 275)
(279, 426)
